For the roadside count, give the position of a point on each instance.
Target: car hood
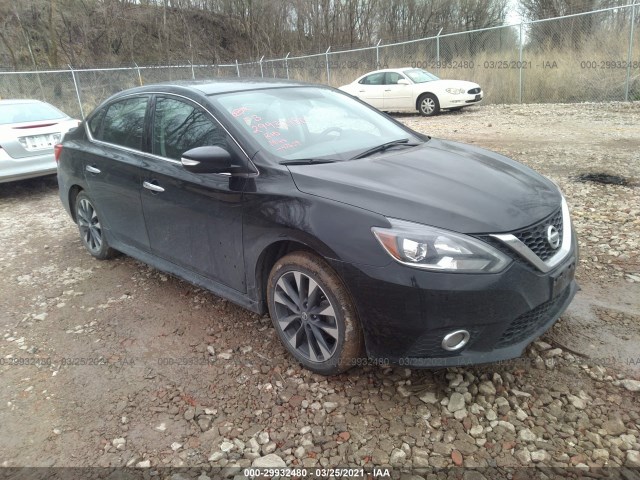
(440, 183)
(450, 84)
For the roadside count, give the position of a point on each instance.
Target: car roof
(19, 101)
(401, 69)
(214, 87)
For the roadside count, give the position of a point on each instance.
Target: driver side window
(179, 126)
(392, 78)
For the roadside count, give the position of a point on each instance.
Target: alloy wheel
(306, 316)
(89, 224)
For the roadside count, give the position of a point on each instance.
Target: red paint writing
(239, 111)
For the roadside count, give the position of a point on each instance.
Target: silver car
(29, 129)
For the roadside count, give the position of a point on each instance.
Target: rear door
(112, 166)
(193, 220)
(371, 89)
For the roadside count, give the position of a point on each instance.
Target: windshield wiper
(385, 146)
(307, 161)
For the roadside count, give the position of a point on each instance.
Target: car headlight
(431, 248)
(454, 91)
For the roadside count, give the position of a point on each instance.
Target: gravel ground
(116, 364)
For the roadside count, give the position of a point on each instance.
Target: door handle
(388, 90)
(91, 169)
(153, 187)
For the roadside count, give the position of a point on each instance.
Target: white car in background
(29, 129)
(411, 89)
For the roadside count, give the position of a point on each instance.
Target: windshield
(309, 122)
(28, 112)
(417, 75)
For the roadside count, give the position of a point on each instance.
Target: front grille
(474, 91)
(535, 237)
(429, 345)
(525, 325)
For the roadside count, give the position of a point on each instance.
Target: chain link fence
(588, 57)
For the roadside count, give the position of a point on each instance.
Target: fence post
(378, 54)
(139, 74)
(438, 51)
(193, 73)
(286, 64)
(237, 67)
(520, 64)
(44, 98)
(261, 72)
(326, 54)
(630, 52)
(75, 84)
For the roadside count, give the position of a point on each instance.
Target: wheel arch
(74, 191)
(421, 96)
(268, 257)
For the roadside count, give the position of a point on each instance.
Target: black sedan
(359, 236)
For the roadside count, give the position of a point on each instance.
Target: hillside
(91, 33)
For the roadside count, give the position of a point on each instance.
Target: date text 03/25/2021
(301, 472)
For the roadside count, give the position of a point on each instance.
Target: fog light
(455, 340)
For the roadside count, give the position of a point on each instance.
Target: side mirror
(207, 160)
(403, 81)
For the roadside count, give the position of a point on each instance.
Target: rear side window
(373, 79)
(179, 126)
(123, 123)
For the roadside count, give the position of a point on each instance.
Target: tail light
(57, 150)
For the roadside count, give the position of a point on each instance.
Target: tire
(327, 344)
(428, 105)
(91, 233)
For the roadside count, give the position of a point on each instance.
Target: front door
(193, 220)
(397, 96)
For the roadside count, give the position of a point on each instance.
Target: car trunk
(21, 140)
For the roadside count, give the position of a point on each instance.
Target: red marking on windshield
(239, 111)
(270, 130)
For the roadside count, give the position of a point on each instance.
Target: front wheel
(313, 314)
(428, 105)
(91, 232)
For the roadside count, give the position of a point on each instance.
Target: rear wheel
(90, 228)
(428, 105)
(313, 314)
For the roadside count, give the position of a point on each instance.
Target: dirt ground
(115, 363)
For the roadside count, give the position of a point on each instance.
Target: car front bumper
(12, 169)
(460, 100)
(406, 312)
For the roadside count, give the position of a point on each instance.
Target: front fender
(333, 230)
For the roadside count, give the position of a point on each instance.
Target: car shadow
(417, 115)
(28, 188)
